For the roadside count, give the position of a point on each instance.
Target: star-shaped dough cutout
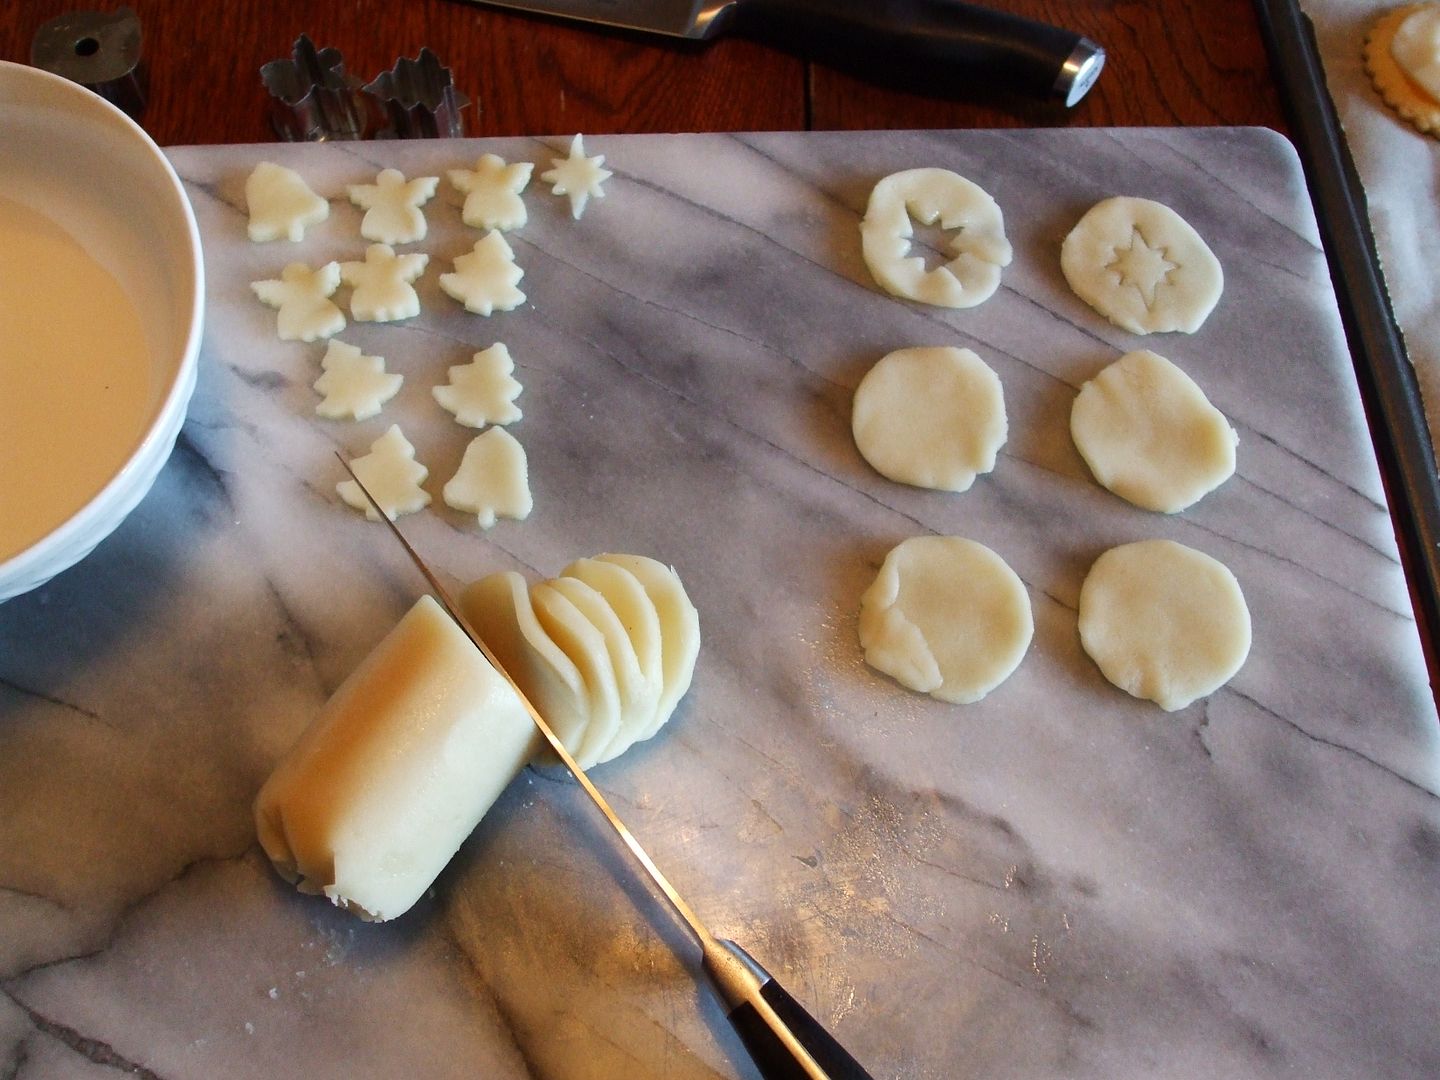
(302, 297)
(485, 278)
(392, 206)
(493, 480)
(280, 203)
(382, 284)
(492, 192)
(390, 473)
(482, 391)
(577, 176)
(1141, 266)
(354, 385)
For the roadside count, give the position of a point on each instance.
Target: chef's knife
(960, 44)
(785, 1042)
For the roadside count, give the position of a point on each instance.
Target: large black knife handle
(972, 46)
(773, 1058)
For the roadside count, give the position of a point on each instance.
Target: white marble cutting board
(1059, 881)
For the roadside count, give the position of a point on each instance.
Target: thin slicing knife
(950, 43)
(784, 1040)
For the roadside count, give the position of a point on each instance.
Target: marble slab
(1059, 881)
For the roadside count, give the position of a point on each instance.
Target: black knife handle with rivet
(784, 1041)
(966, 46)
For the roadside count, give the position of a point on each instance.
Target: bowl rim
(31, 561)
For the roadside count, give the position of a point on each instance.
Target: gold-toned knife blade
(784, 1047)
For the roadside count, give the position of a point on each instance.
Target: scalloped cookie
(1402, 55)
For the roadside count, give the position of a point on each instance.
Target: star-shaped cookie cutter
(418, 99)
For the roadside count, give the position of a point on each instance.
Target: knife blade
(785, 1041)
(962, 46)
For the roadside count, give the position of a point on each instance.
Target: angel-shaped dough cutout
(492, 192)
(930, 196)
(485, 278)
(493, 480)
(482, 391)
(392, 206)
(390, 473)
(281, 204)
(577, 176)
(383, 292)
(355, 385)
(302, 297)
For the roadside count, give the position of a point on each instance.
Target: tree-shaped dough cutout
(354, 385)
(390, 473)
(482, 391)
(485, 278)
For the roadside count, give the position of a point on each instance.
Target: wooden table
(1170, 62)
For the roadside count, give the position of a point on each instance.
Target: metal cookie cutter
(311, 97)
(419, 99)
(100, 50)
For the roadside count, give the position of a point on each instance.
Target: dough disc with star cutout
(1142, 266)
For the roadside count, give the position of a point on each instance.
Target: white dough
(396, 771)
(302, 299)
(498, 607)
(281, 204)
(1163, 621)
(492, 192)
(929, 196)
(679, 629)
(486, 277)
(482, 391)
(584, 644)
(1416, 47)
(577, 176)
(946, 616)
(639, 688)
(637, 613)
(391, 474)
(932, 417)
(1150, 435)
(383, 292)
(493, 480)
(1142, 266)
(392, 206)
(354, 385)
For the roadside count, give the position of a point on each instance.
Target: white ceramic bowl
(85, 165)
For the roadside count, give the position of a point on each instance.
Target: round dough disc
(1403, 59)
(1150, 435)
(1163, 621)
(934, 195)
(931, 417)
(1142, 266)
(946, 616)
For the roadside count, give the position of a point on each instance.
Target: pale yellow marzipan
(1400, 92)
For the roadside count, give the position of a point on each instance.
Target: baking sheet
(1057, 881)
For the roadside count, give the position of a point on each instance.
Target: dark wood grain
(1170, 62)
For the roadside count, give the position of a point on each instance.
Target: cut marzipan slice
(636, 611)
(585, 646)
(499, 609)
(679, 629)
(639, 693)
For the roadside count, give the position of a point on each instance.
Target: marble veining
(1056, 882)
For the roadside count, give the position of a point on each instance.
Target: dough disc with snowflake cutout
(1142, 266)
